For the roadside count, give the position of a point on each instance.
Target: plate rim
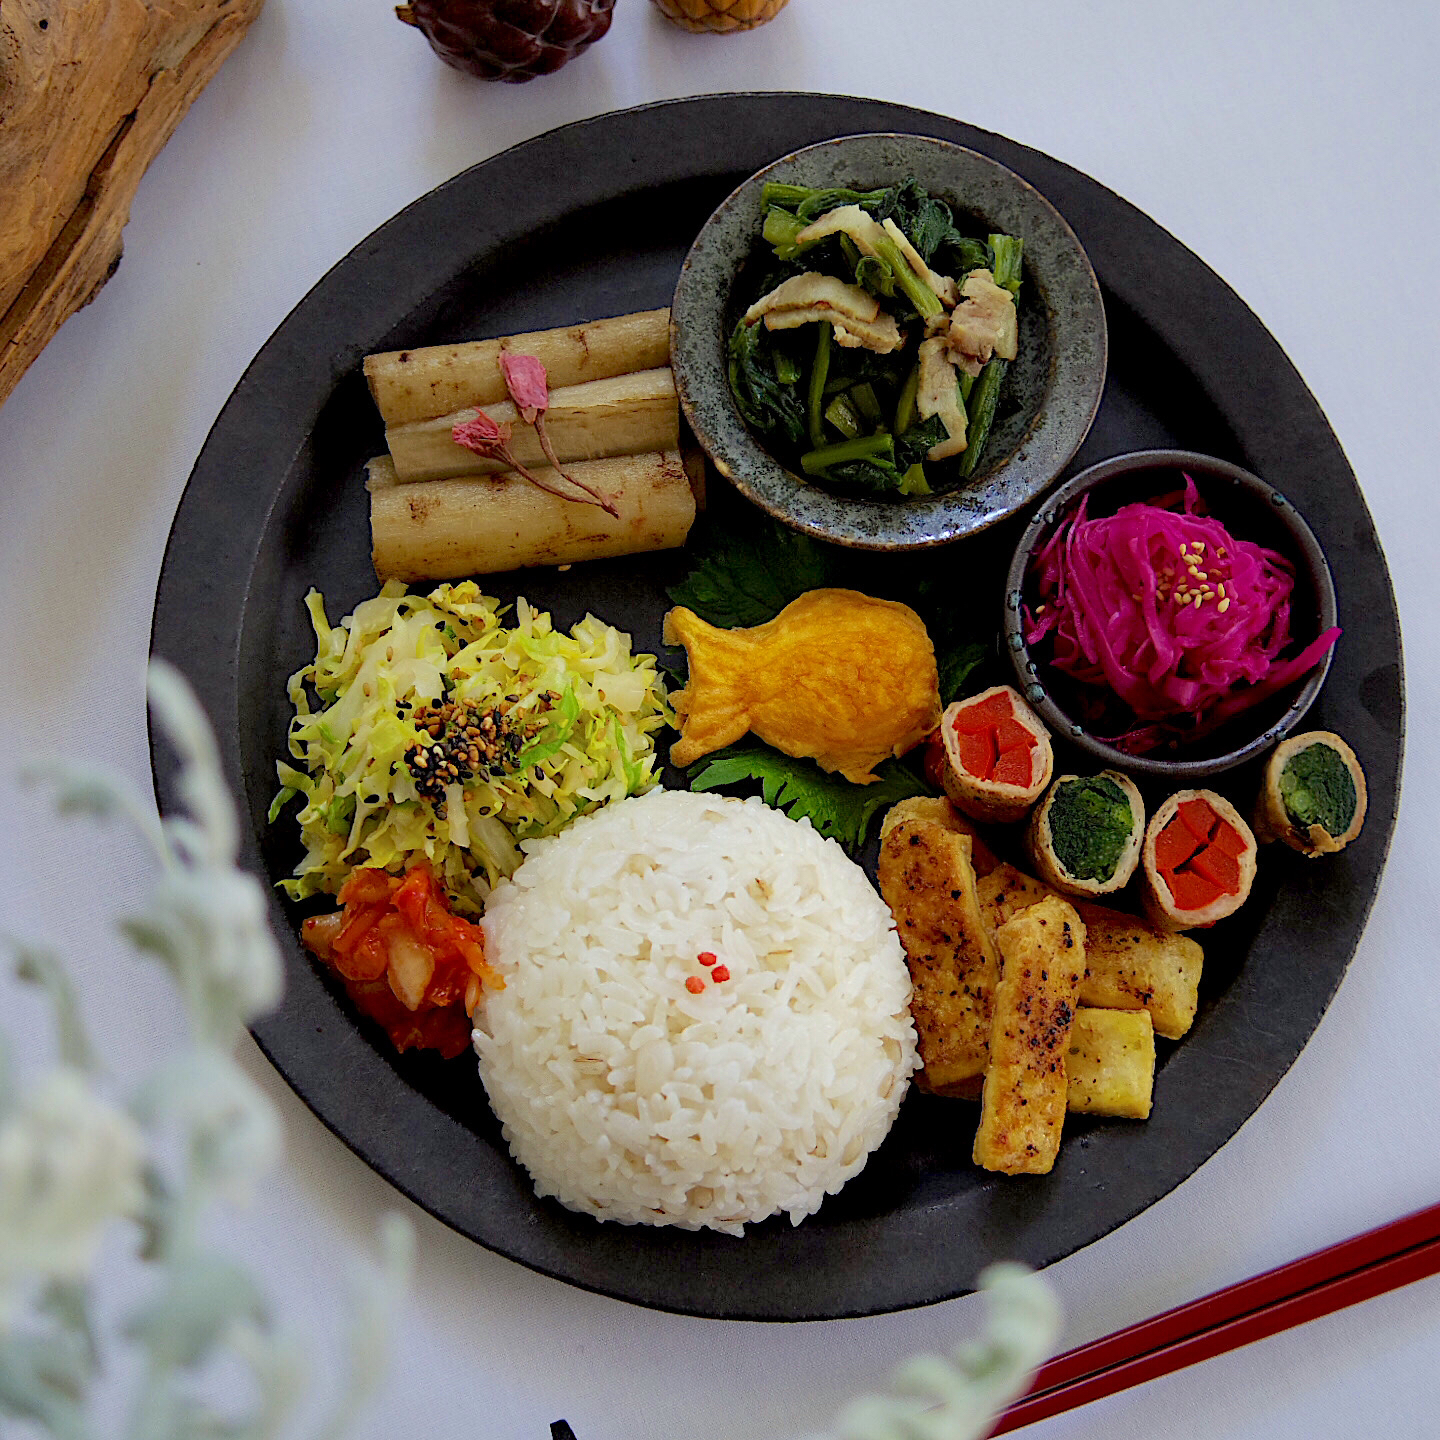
(177, 641)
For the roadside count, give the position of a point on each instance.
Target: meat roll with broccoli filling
(1312, 796)
(998, 759)
(1199, 858)
(1085, 836)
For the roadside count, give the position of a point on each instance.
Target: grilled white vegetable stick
(1110, 1067)
(438, 379)
(449, 529)
(1022, 1108)
(929, 884)
(623, 415)
(1131, 964)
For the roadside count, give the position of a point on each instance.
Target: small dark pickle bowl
(1251, 510)
(1052, 391)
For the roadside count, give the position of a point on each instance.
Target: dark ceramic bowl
(1051, 394)
(1251, 510)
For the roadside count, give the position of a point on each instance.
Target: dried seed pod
(719, 16)
(513, 41)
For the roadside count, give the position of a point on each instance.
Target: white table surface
(1292, 146)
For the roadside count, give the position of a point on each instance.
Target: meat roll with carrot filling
(1199, 859)
(997, 755)
(1085, 836)
(1313, 795)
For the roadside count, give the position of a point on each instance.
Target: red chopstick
(1357, 1269)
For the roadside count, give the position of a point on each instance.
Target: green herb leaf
(878, 475)
(913, 481)
(749, 579)
(955, 665)
(913, 446)
(834, 806)
(965, 254)
(874, 275)
(957, 656)
(926, 221)
(780, 229)
(770, 406)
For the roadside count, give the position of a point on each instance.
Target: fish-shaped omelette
(836, 676)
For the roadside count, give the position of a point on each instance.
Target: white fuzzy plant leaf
(209, 836)
(45, 1378)
(280, 1375)
(206, 920)
(960, 1397)
(41, 967)
(90, 790)
(379, 1291)
(71, 1162)
(231, 1128)
(202, 1298)
(69, 1165)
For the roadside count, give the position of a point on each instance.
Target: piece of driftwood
(90, 90)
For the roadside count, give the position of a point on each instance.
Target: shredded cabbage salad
(577, 713)
(1165, 608)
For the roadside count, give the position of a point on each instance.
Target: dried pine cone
(720, 15)
(512, 40)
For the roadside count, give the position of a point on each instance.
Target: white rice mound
(629, 1098)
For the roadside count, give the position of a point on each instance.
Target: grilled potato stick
(1005, 892)
(943, 813)
(1130, 964)
(927, 881)
(920, 807)
(449, 529)
(438, 379)
(623, 415)
(1110, 1066)
(1022, 1108)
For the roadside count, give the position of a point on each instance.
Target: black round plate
(594, 219)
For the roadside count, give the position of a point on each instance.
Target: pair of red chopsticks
(1354, 1270)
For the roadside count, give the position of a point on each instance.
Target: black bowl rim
(1049, 513)
(953, 520)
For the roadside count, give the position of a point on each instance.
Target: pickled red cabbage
(1164, 607)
